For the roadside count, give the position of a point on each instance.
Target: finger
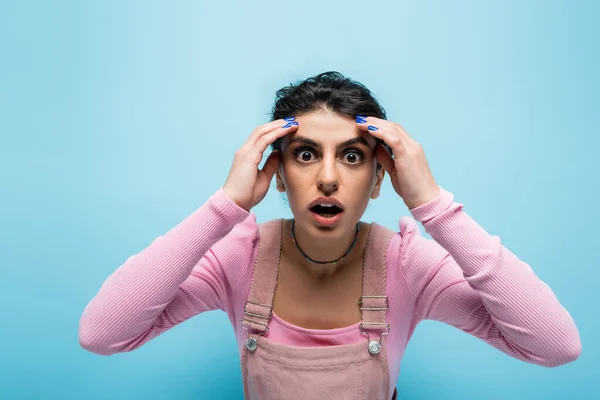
(271, 165)
(393, 138)
(391, 126)
(373, 125)
(364, 121)
(267, 128)
(266, 139)
(384, 158)
(403, 132)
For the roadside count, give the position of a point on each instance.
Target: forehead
(328, 128)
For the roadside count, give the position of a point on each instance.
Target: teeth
(326, 205)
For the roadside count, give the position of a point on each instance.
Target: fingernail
(361, 116)
(360, 120)
(294, 123)
(290, 118)
(287, 125)
(372, 128)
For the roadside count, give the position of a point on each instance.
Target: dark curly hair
(331, 91)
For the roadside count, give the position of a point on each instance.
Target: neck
(322, 249)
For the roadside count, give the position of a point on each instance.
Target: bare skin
(319, 301)
(324, 296)
(311, 295)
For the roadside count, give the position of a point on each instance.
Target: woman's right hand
(246, 185)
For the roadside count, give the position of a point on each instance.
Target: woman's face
(319, 161)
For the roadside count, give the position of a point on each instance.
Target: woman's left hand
(408, 169)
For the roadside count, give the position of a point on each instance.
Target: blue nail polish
(360, 120)
(294, 123)
(372, 128)
(287, 125)
(290, 118)
(361, 116)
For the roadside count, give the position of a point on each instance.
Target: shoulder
(237, 251)
(400, 239)
(406, 234)
(237, 254)
(411, 257)
(238, 243)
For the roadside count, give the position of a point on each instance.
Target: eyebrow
(349, 142)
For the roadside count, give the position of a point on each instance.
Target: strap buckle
(374, 345)
(379, 325)
(267, 318)
(387, 303)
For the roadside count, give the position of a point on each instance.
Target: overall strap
(259, 306)
(374, 302)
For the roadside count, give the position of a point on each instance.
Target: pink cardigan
(464, 277)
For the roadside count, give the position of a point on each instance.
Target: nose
(328, 179)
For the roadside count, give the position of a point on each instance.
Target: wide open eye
(353, 156)
(356, 156)
(304, 154)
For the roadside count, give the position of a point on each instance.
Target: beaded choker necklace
(323, 262)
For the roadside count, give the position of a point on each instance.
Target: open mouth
(329, 211)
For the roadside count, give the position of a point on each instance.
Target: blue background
(120, 118)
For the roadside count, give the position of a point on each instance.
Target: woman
(323, 305)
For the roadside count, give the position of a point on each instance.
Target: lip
(326, 200)
(326, 221)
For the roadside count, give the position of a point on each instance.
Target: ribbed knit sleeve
(465, 277)
(177, 276)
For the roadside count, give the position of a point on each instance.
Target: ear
(377, 188)
(279, 182)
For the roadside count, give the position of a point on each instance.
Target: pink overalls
(274, 371)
